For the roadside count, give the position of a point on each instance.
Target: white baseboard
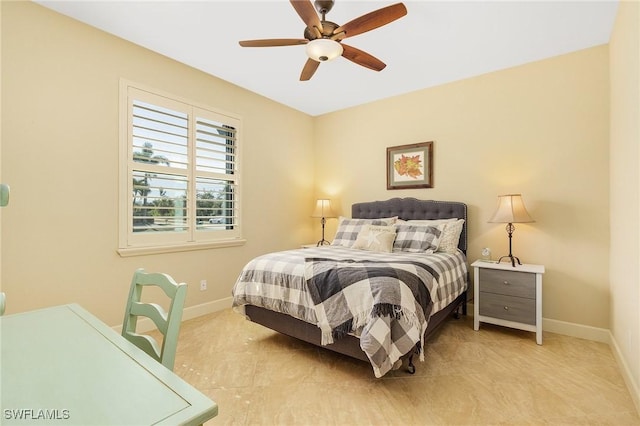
(206, 308)
(576, 330)
(568, 328)
(634, 388)
(145, 324)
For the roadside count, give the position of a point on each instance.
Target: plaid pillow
(348, 229)
(417, 239)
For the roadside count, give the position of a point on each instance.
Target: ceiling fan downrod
(323, 6)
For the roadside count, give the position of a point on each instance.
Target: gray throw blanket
(387, 302)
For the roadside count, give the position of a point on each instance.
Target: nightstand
(508, 296)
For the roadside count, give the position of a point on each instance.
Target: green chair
(168, 323)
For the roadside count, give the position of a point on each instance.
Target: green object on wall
(4, 194)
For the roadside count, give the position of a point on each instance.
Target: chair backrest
(167, 322)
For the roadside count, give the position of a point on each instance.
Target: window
(179, 175)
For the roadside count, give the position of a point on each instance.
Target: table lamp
(511, 210)
(323, 210)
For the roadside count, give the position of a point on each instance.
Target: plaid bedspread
(386, 298)
(370, 296)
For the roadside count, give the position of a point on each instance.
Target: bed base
(404, 208)
(348, 345)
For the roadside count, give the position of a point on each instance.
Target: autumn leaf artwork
(409, 166)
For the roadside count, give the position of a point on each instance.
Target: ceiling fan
(324, 38)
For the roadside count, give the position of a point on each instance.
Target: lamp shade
(323, 209)
(511, 209)
(323, 49)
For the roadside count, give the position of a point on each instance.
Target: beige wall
(540, 129)
(625, 189)
(60, 155)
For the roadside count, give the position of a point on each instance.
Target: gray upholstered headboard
(414, 209)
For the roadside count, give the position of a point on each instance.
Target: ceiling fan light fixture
(323, 49)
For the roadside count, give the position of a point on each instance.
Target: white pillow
(450, 238)
(376, 238)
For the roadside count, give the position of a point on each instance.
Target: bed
(371, 304)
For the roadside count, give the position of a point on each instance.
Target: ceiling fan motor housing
(327, 30)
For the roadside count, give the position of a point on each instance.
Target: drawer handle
(506, 283)
(506, 308)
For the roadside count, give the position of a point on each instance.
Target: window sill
(143, 251)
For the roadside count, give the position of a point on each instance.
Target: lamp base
(323, 242)
(513, 260)
(510, 228)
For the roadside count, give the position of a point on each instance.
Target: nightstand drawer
(511, 283)
(509, 308)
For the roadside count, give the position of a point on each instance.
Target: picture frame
(410, 166)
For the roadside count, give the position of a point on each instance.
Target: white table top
(506, 266)
(65, 363)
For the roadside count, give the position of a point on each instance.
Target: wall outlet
(203, 285)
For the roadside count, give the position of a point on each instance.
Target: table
(62, 365)
(508, 296)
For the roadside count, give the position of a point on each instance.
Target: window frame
(132, 243)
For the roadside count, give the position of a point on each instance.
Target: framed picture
(410, 166)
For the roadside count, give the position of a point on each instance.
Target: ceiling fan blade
(307, 12)
(362, 58)
(274, 42)
(372, 20)
(309, 69)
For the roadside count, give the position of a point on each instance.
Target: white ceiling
(437, 42)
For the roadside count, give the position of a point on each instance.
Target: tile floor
(493, 376)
